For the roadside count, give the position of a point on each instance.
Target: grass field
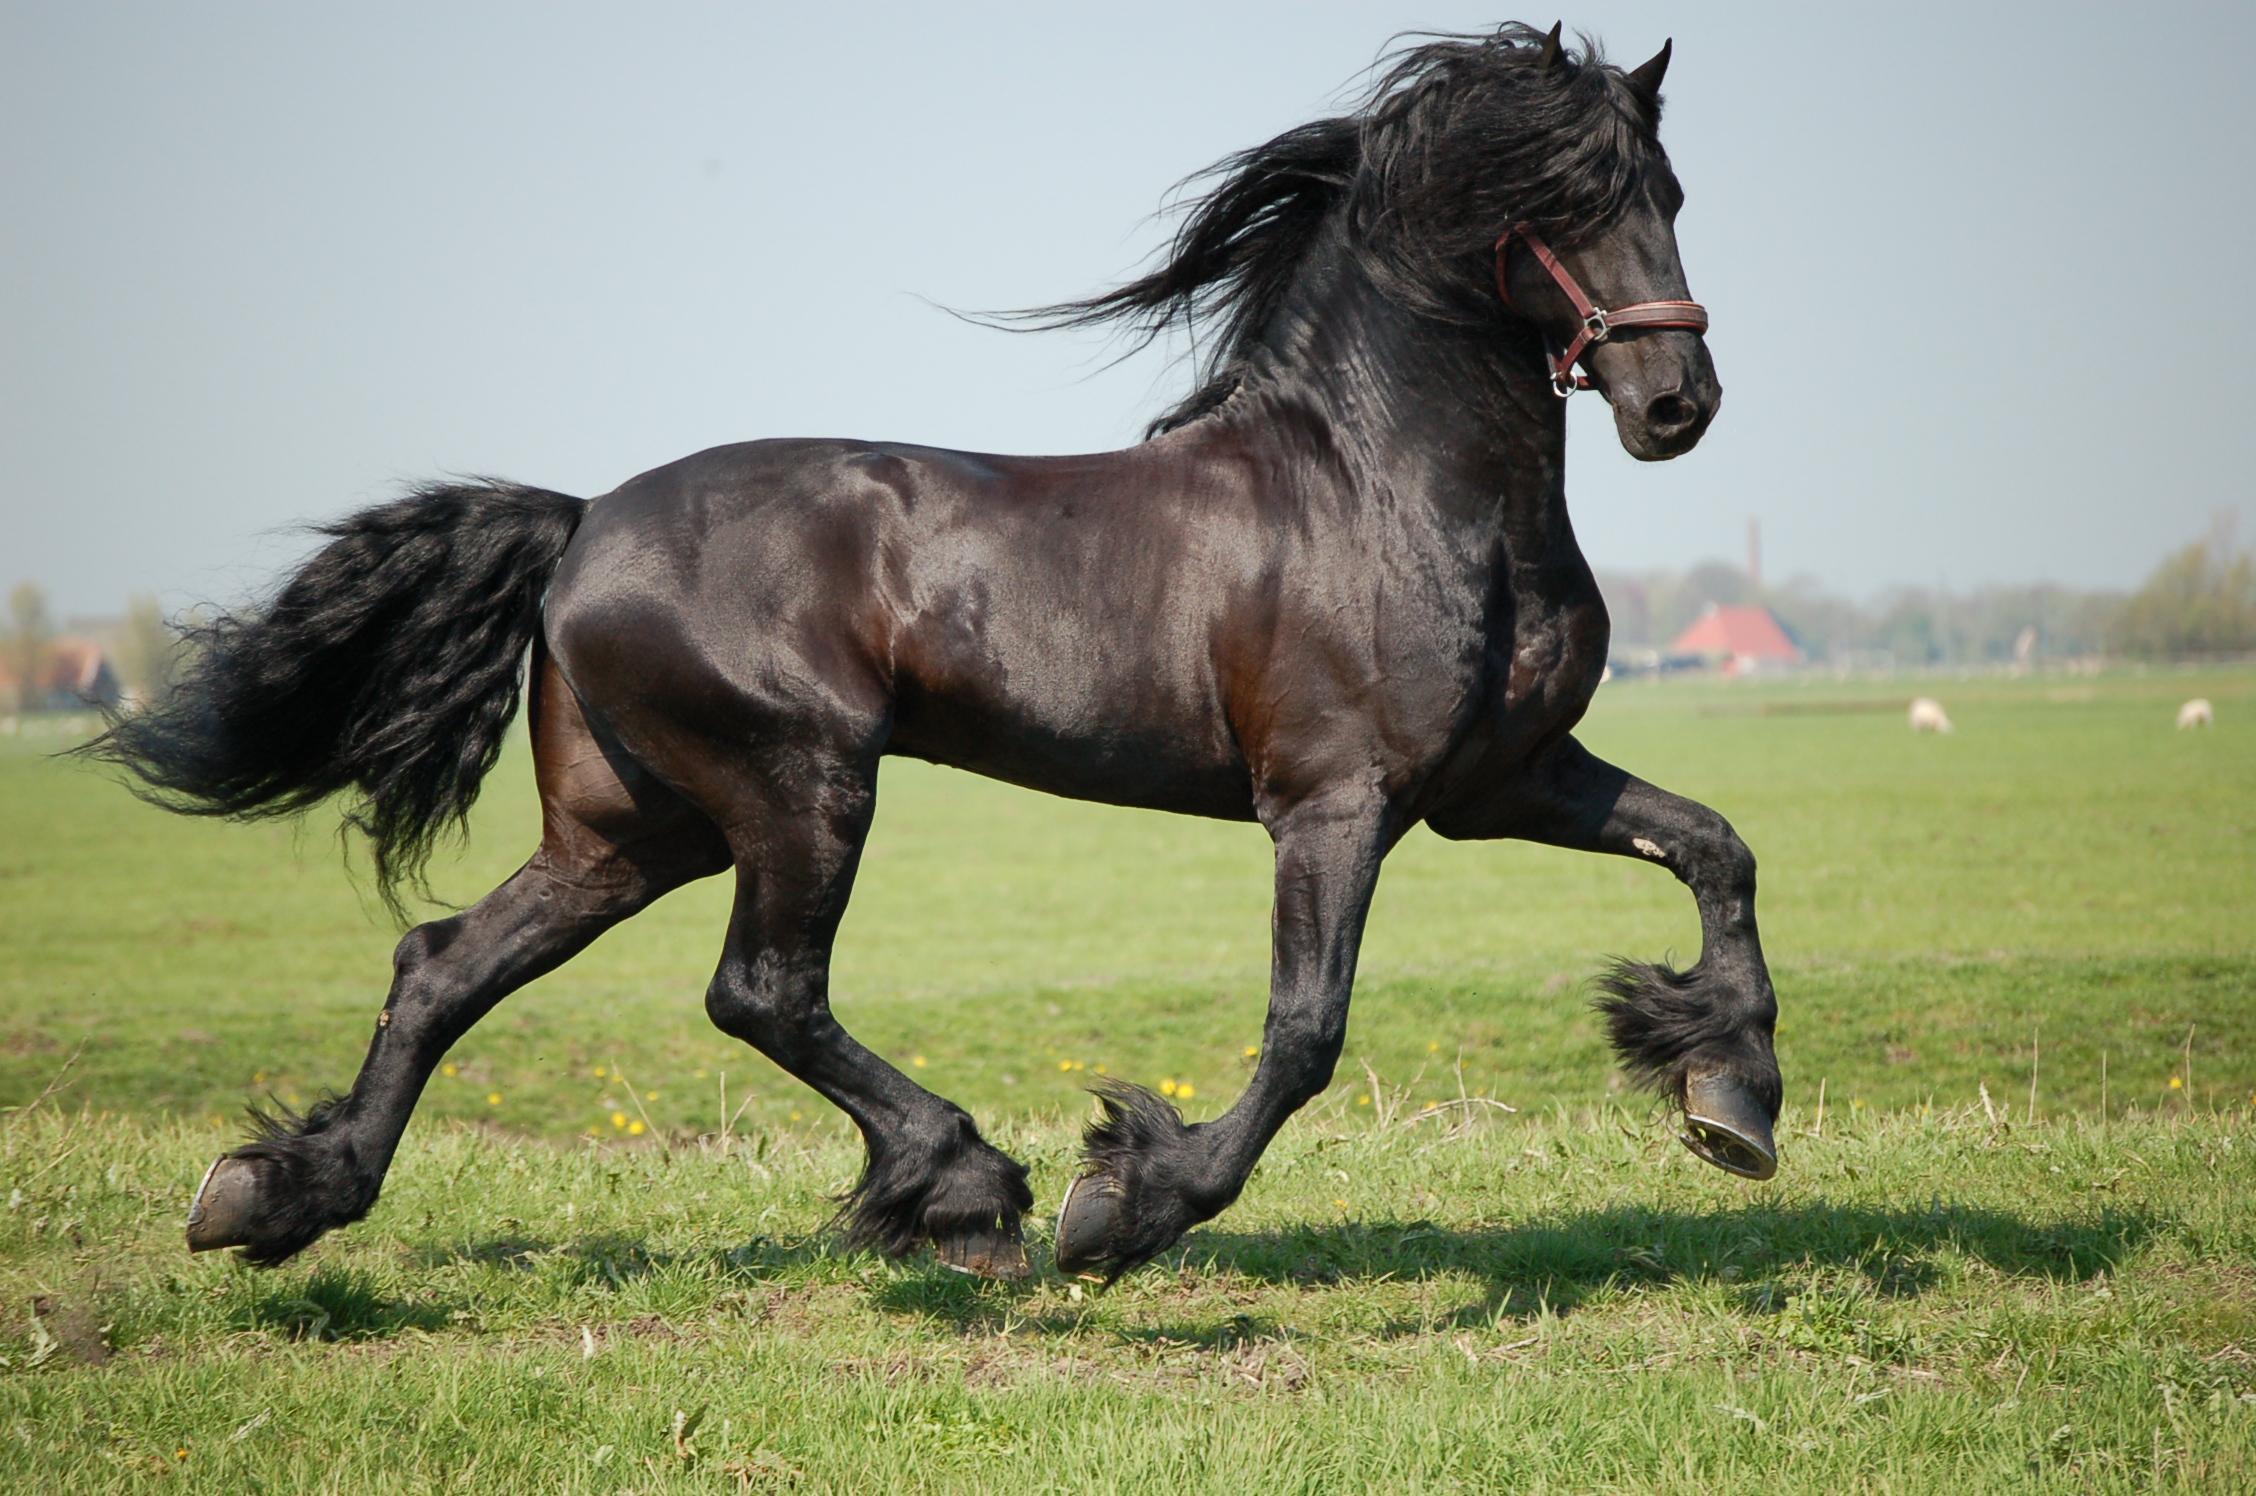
(2017, 1244)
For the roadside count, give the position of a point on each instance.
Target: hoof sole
(1728, 1150)
(1724, 1125)
(220, 1215)
(1087, 1217)
(999, 1255)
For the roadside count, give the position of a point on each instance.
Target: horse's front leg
(1150, 1178)
(1701, 1036)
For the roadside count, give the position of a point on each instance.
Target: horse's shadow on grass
(615, 1260)
(1761, 1251)
(336, 1304)
(344, 1305)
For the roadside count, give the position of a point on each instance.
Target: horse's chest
(1545, 656)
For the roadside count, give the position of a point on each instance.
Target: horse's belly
(1117, 762)
(1119, 716)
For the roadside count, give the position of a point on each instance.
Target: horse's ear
(1647, 77)
(1548, 58)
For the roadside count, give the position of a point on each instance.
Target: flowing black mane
(1456, 139)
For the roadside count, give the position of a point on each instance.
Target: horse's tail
(389, 666)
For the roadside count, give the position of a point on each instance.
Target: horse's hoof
(1724, 1124)
(220, 1215)
(1088, 1216)
(998, 1253)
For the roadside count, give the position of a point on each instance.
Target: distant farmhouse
(1739, 639)
(73, 674)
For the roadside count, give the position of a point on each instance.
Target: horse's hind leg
(613, 840)
(1701, 1036)
(930, 1176)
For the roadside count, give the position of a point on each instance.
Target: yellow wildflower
(493, 1098)
(635, 1129)
(917, 1060)
(2177, 1083)
(1167, 1088)
(448, 1069)
(1185, 1091)
(1364, 1099)
(618, 1119)
(1252, 1051)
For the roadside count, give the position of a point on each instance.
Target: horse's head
(1611, 300)
(1458, 140)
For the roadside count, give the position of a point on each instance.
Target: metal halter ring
(1597, 322)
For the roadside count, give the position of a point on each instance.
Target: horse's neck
(1454, 427)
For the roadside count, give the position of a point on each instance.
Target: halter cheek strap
(1597, 322)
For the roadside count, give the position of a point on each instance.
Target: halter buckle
(1595, 326)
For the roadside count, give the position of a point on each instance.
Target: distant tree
(1822, 624)
(29, 633)
(1912, 628)
(1677, 602)
(146, 646)
(2200, 601)
(1916, 626)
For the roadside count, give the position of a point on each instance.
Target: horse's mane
(1456, 139)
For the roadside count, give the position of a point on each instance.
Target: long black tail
(389, 666)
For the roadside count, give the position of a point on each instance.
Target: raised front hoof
(996, 1252)
(1727, 1126)
(226, 1210)
(1090, 1218)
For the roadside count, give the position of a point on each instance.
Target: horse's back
(1048, 620)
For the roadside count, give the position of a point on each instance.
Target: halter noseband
(1597, 322)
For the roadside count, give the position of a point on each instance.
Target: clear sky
(1980, 273)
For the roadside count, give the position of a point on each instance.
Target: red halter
(1597, 322)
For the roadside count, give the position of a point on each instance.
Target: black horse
(1335, 591)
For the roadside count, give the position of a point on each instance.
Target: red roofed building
(1739, 638)
(73, 674)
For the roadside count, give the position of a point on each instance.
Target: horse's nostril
(1671, 412)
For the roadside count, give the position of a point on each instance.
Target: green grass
(2054, 906)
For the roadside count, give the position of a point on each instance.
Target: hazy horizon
(271, 263)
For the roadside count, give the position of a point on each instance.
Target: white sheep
(2196, 713)
(1927, 716)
